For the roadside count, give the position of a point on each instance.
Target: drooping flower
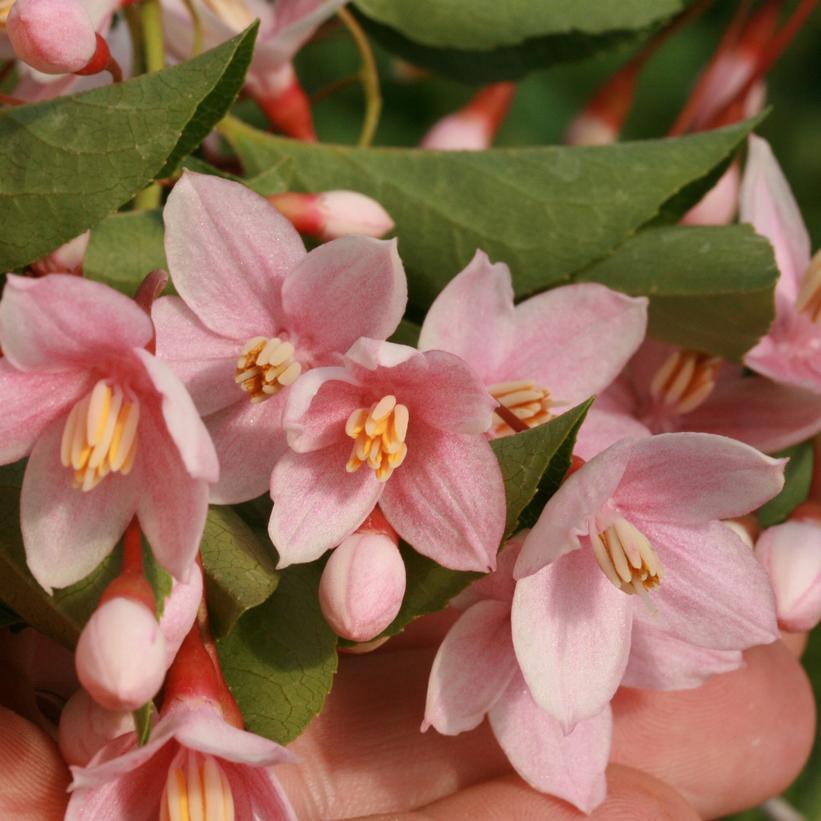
(551, 351)
(398, 427)
(256, 312)
(475, 673)
(642, 517)
(110, 430)
(791, 352)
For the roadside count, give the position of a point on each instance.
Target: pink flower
(555, 349)
(665, 388)
(398, 427)
(86, 727)
(791, 351)
(791, 553)
(719, 205)
(110, 430)
(67, 259)
(256, 312)
(198, 757)
(179, 611)
(640, 517)
(475, 673)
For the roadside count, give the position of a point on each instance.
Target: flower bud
(67, 259)
(362, 586)
(53, 36)
(589, 128)
(86, 727)
(121, 655)
(179, 611)
(791, 553)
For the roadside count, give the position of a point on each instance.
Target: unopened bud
(86, 727)
(362, 586)
(179, 611)
(67, 259)
(53, 36)
(121, 655)
(791, 553)
(591, 129)
(284, 102)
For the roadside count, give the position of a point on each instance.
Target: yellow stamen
(809, 297)
(196, 789)
(626, 557)
(265, 367)
(685, 380)
(525, 400)
(5, 8)
(379, 437)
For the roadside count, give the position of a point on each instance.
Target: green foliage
(142, 722)
(797, 480)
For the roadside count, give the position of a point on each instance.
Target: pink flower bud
(67, 259)
(362, 586)
(791, 553)
(53, 36)
(121, 655)
(591, 129)
(86, 727)
(179, 612)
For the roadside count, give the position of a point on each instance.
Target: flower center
(100, 435)
(626, 557)
(528, 402)
(685, 380)
(809, 297)
(196, 788)
(265, 367)
(379, 437)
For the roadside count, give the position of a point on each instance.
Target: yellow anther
(685, 380)
(5, 8)
(196, 789)
(265, 367)
(379, 437)
(808, 300)
(626, 557)
(525, 400)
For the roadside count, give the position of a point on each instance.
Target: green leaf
(489, 40)
(797, 481)
(548, 212)
(280, 659)
(74, 160)
(240, 572)
(710, 288)
(142, 722)
(406, 334)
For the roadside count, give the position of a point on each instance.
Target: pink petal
(249, 441)
(228, 252)
(62, 322)
(566, 516)
(695, 477)
(713, 592)
(171, 505)
(498, 585)
(574, 340)
(761, 413)
(789, 354)
(204, 361)
(719, 204)
(475, 306)
(768, 203)
(472, 668)
(791, 553)
(29, 402)
(571, 633)
(67, 532)
(568, 766)
(294, 22)
(447, 499)
(660, 661)
(350, 287)
(602, 428)
(317, 503)
(185, 429)
(259, 789)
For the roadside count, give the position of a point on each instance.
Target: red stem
(511, 419)
(131, 583)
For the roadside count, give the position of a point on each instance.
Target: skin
(736, 741)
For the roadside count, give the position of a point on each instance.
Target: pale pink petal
(571, 632)
(317, 503)
(602, 428)
(695, 477)
(474, 307)
(63, 322)
(294, 22)
(566, 516)
(249, 441)
(258, 788)
(185, 429)
(713, 591)
(67, 532)
(350, 287)
(791, 553)
(660, 661)
(228, 252)
(719, 205)
(568, 766)
(761, 413)
(367, 355)
(29, 402)
(472, 668)
(574, 340)
(447, 499)
(179, 611)
(499, 585)
(790, 354)
(206, 362)
(768, 203)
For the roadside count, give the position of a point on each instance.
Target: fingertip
(796, 643)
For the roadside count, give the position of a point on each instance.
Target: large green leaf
(710, 288)
(69, 162)
(280, 659)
